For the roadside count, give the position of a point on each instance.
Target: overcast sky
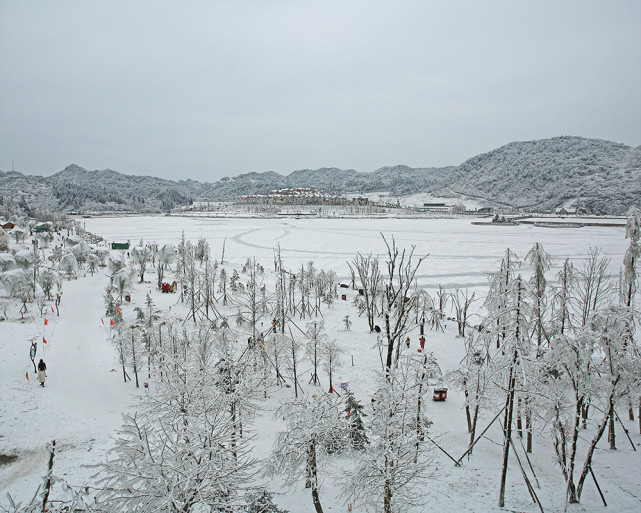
(203, 90)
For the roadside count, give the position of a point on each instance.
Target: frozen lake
(460, 254)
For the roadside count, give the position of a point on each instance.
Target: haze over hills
(598, 176)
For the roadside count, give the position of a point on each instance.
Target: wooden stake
(625, 430)
(598, 487)
(481, 435)
(456, 463)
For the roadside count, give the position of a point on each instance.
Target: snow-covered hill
(595, 175)
(599, 176)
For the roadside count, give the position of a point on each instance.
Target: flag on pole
(111, 322)
(44, 340)
(102, 321)
(46, 321)
(27, 374)
(117, 309)
(52, 310)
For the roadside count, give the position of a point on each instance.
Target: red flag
(44, 340)
(46, 321)
(117, 309)
(112, 322)
(52, 311)
(102, 321)
(27, 374)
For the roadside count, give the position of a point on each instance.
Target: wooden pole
(456, 463)
(481, 435)
(625, 430)
(598, 487)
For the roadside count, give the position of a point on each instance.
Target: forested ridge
(593, 175)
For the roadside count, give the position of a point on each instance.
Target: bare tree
(401, 274)
(593, 286)
(462, 302)
(370, 278)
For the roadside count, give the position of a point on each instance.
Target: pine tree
(354, 412)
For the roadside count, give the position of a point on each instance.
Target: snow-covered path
(82, 400)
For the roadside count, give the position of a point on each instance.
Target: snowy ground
(81, 405)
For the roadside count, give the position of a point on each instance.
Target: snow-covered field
(81, 405)
(460, 254)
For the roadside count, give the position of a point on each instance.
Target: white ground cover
(81, 405)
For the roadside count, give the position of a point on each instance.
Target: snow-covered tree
(179, 453)
(594, 287)
(317, 339)
(21, 289)
(141, 254)
(397, 303)
(165, 257)
(354, 413)
(332, 353)
(631, 259)
(315, 427)
(370, 280)
(68, 265)
(47, 279)
(462, 302)
(395, 457)
(540, 261)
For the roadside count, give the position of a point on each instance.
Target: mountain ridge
(595, 175)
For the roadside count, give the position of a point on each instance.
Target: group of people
(421, 341)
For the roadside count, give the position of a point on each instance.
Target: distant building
(566, 211)
(43, 228)
(297, 196)
(437, 208)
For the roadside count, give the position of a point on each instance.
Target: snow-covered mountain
(596, 175)
(600, 176)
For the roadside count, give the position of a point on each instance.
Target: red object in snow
(440, 394)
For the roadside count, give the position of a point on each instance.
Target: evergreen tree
(354, 412)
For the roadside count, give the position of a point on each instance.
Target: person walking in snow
(42, 367)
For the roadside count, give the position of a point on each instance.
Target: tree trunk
(473, 430)
(387, 496)
(611, 432)
(528, 424)
(507, 428)
(600, 430)
(312, 470)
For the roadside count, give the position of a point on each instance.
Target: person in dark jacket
(42, 367)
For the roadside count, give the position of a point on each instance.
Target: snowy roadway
(81, 400)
